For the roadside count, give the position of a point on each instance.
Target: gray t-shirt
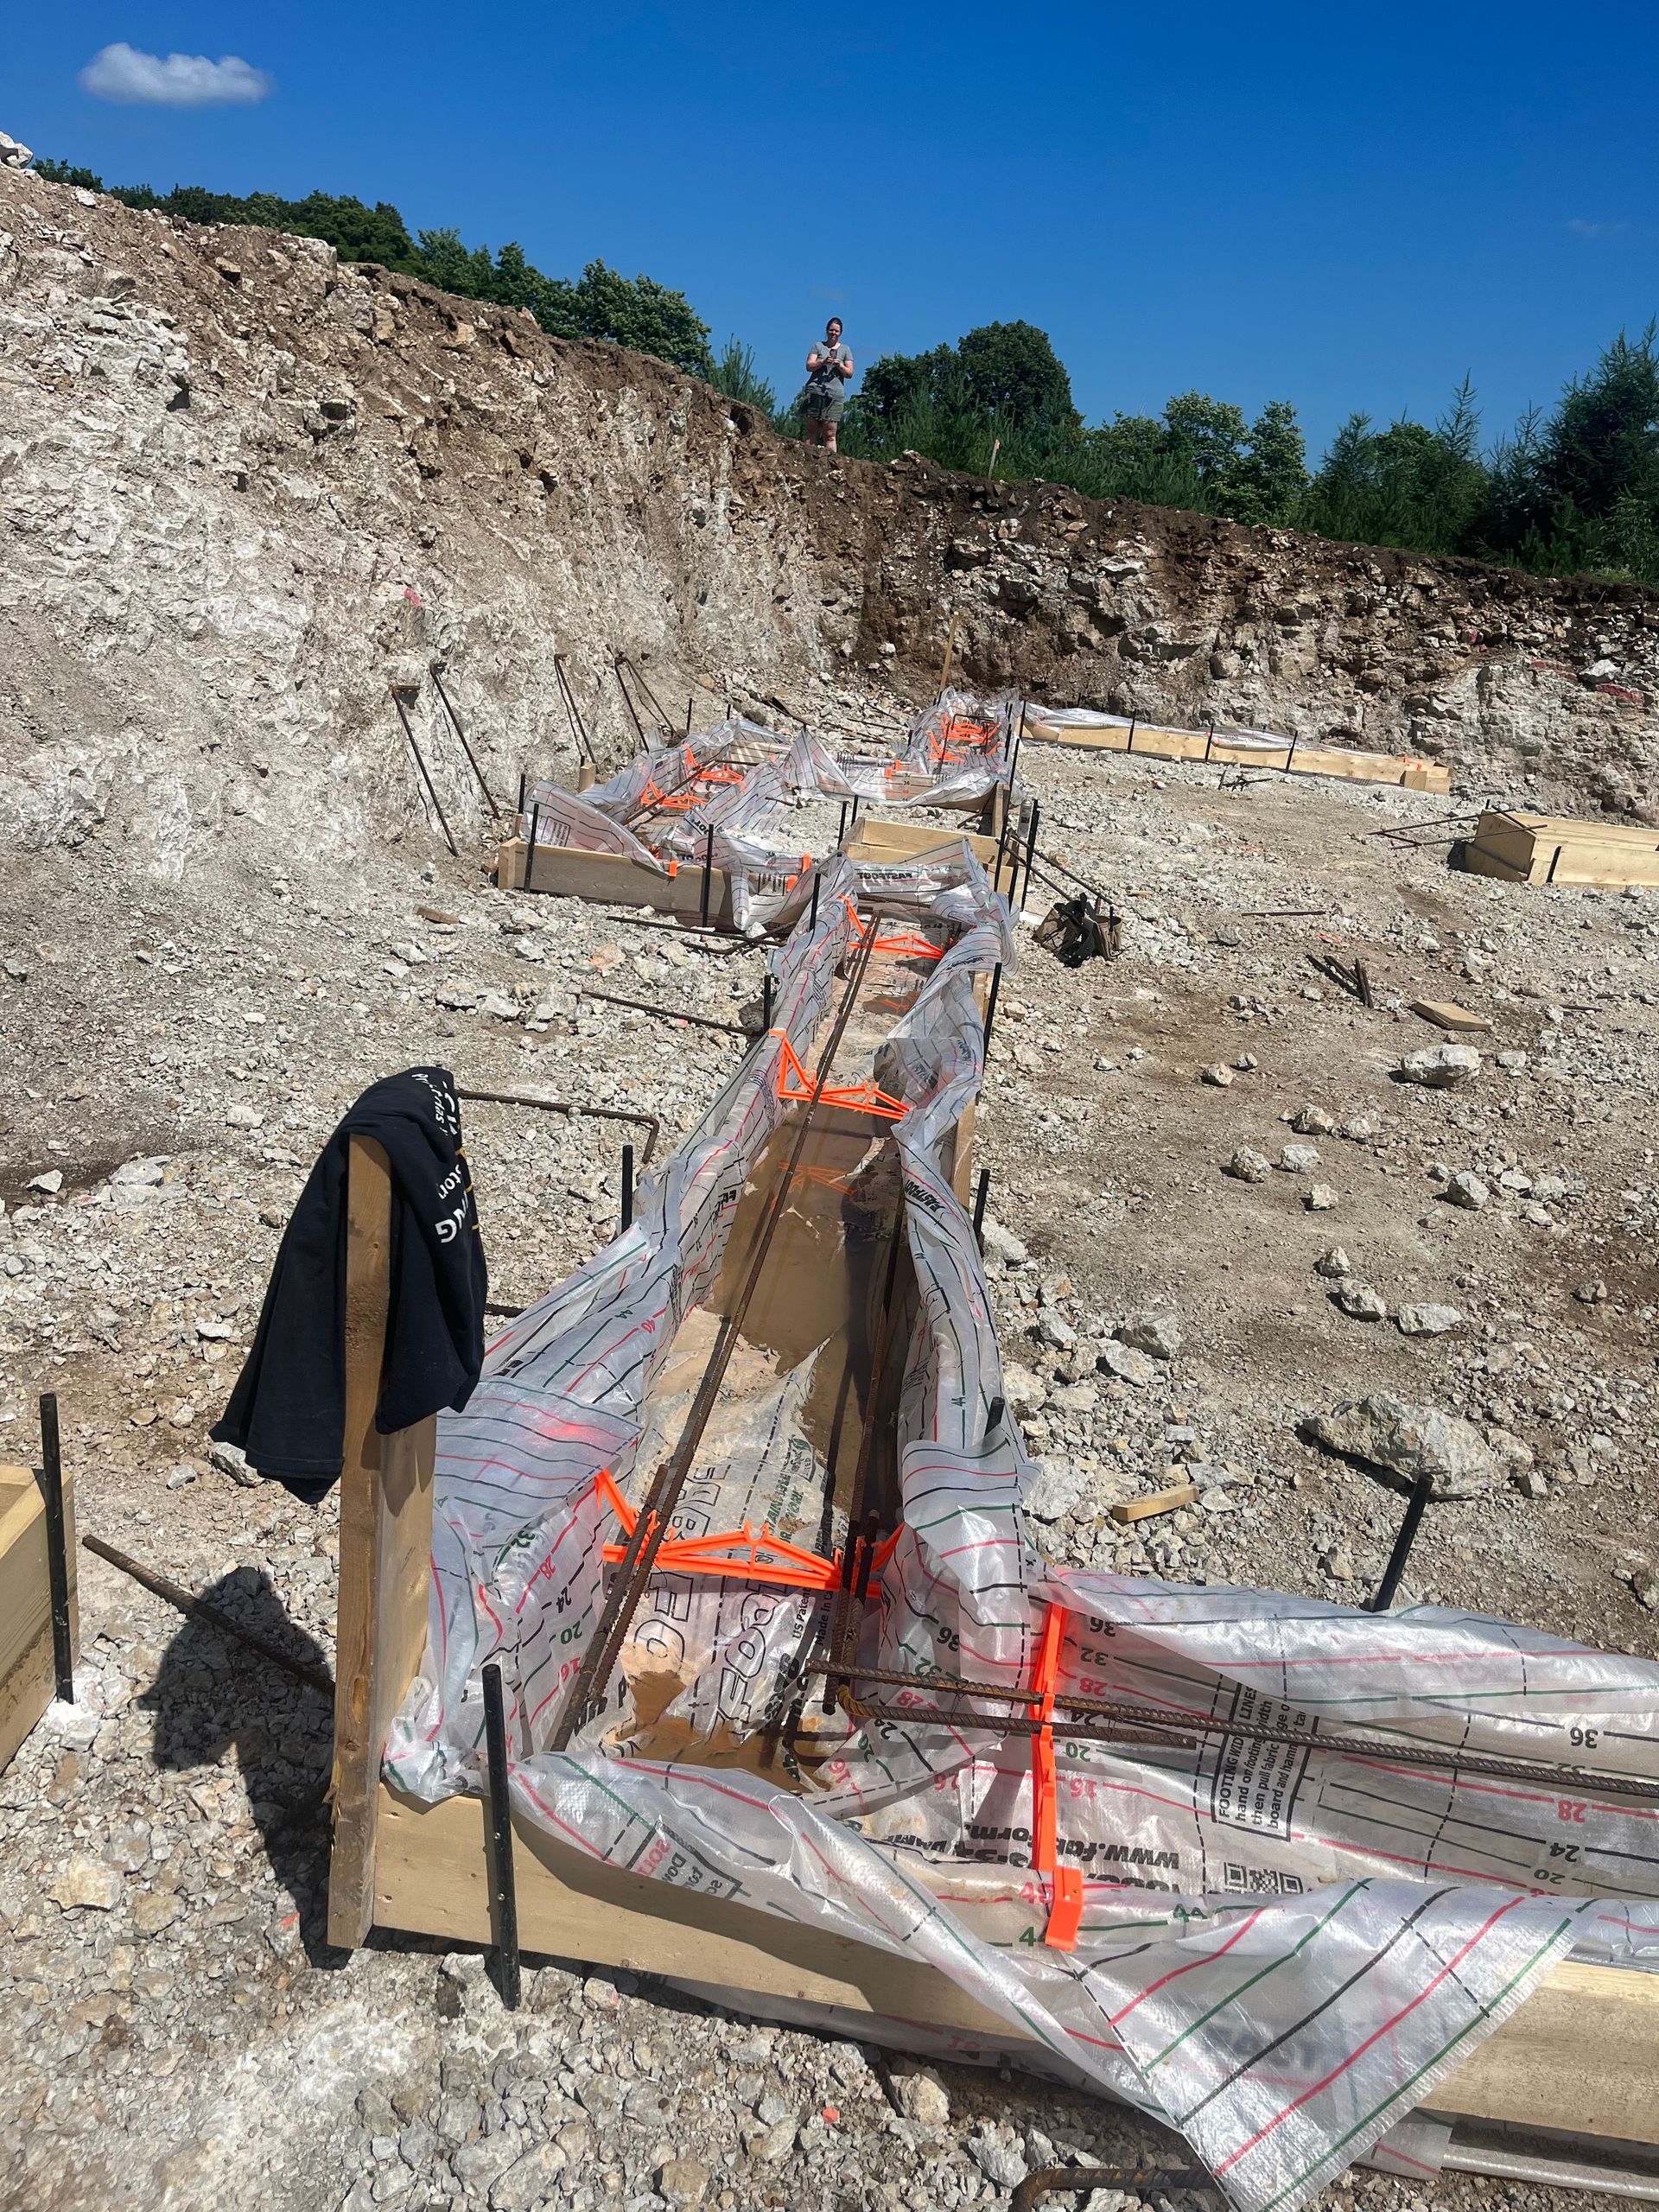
(825, 381)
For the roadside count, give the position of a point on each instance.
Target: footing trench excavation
(794, 1707)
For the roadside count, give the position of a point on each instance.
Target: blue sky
(1345, 208)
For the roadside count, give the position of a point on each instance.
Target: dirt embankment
(245, 487)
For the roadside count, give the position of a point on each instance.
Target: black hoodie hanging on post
(288, 1410)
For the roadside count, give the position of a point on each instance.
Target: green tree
(1209, 434)
(1267, 483)
(735, 375)
(1011, 369)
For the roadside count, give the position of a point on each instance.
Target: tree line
(1571, 489)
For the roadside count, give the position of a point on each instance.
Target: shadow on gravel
(212, 1693)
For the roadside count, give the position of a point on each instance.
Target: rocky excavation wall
(244, 487)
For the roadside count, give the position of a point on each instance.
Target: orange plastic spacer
(795, 1085)
(1065, 1883)
(754, 1555)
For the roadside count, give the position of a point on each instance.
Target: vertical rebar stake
(766, 1003)
(523, 782)
(707, 877)
(504, 1897)
(57, 1549)
(980, 1197)
(1402, 1544)
(991, 1003)
(628, 1186)
(1031, 847)
(840, 833)
(812, 917)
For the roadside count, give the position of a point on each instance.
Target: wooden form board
(1580, 2056)
(28, 1675)
(1553, 848)
(1403, 771)
(611, 880)
(884, 841)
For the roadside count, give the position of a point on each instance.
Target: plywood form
(884, 842)
(1405, 771)
(1520, 848)
(611, 880)
(28, 1675)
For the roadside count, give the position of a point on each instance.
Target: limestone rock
(1441, 1067)
(1058, 1486)
(1128, 1365)
(1410, 1440)
(1157, 1335)
(1427, 1320)
(1249, 1166)
(86, 1882)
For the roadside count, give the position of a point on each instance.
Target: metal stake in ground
(57, 1550)
(454, 724)
(991, 1003)
(1030, 843)
(504, 1896)
(980, 1197)
(628, 1186)
(708, 875)
(1415, 1508)
(403, 716)
(578, 728)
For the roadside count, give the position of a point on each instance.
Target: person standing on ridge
(828, 372)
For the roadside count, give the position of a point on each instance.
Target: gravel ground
(177, 2032)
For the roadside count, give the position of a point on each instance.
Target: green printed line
(1272, 1967)
(1397, 2094)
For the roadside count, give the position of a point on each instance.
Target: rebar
(1166, 1726)
(57, 1549)
(199, 1609)
(573, 713)
(403, 716)
(496, 812)
(651, 1523)
(650, 1122)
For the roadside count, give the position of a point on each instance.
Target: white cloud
(122, 73)
(1581, 229)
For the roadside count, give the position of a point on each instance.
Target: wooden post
(950, 647)
(385, 1552)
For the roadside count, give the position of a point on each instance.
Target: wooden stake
(385, 1545)
(950, 646)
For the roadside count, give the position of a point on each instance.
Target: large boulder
(1410, 1441)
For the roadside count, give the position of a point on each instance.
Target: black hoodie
(288, 1410)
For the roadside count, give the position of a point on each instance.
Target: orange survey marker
(1065, 1883)
(868, 1097)
(755, 1554)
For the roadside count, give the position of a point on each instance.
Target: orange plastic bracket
(755, 1554)
(795, 1085)
(1065, 1882)
(906, 943)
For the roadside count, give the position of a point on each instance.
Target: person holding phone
(828, 372)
